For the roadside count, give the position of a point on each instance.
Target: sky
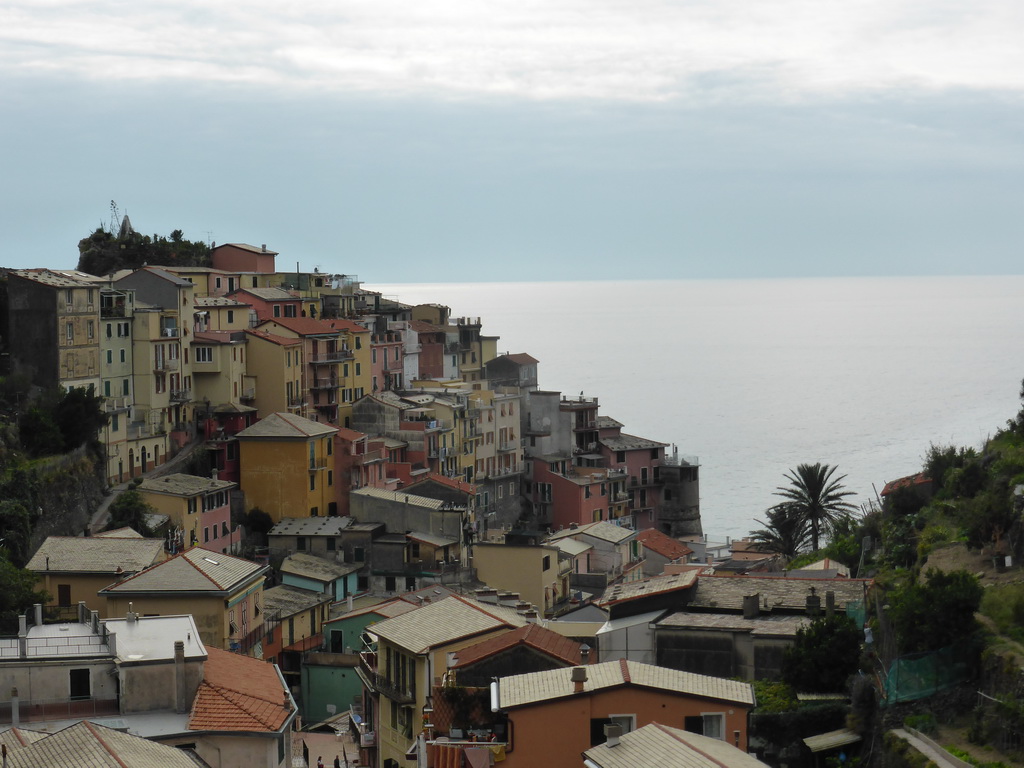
(451, 141)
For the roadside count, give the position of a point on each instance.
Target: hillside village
(364, 532)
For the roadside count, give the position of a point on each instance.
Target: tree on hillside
(819, 497)
(129, 510)
(103, 253)
(785, 532)
(935, 612)
(17, 593)
(825, 653)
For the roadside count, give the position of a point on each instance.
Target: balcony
(166, 364)
(508, 445)
(249, 393)
(367, 671)
(170, 333)
(332, 357)
(331, 383)
(181, 395)
(116, 404)
(296, 402)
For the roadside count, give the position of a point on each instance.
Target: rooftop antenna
(115, 218)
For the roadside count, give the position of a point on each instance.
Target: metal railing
(332, 357)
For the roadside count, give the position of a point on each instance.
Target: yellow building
(338, 368)
(275, 374)
(223, 593)
(198, 509)
(73, 569)
(539, 573)
(287, 466)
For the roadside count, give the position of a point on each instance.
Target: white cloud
(584, 49)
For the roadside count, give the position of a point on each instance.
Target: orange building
(556, 715)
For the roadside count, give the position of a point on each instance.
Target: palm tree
(786, 531)
(818, 496)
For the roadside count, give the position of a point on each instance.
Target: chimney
(830, 603)
(264, 247)
(813, 604)
(612, 732)
(15, 708)
(38, 614)
(180, 705)
(584, 654)
(578, 677)
(752, 606)
(213, 473)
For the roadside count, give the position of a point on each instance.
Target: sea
(754, 377)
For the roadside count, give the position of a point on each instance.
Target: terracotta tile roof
(450, 482)
(239, 693)
(422, 326)
(350, 434)
(532, 635)
(906, 482)
(522, 358)
(309, 326)
(16, 738)
(662, 544)
(247, 247)
(538, 687)
(283, 341)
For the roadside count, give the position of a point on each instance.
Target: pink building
(387, 359)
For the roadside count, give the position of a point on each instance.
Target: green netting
(922, 674)
(856, 611)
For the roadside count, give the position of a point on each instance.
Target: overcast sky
(450, 141)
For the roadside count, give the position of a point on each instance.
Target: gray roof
(76, 554)
(656, 585)
(603, 530)
(317, 568)
(311, 526)
(286, 600)
(629, 443)
(180, 484)
(430, 538)
(270, 294)
(607, 422)
(534, 687)
(286, 425)
(762, 626)
(218, 301)
(659, 745)
(90, 745)
(442, 622)
(400, 497)
(727, 592)
(152, 638)
(196, 570)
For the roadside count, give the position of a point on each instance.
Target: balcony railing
(248, 394)
(368, 672)
(508, 445)
(34, 710)
(166, 364)
(332, 357)
(170, 333)
(326, 384)
(181, 395)
(115, 404)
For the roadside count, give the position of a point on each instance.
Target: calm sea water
(757, 376)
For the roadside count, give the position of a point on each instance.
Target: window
(359, 554)
(110, 330)
(314, 511)
(289, 310)
(70, 331)
(277, 310)
(330, 477)
(332, 544)
(710, 724)
(204, 354)
(547, 563)
(91, 329)
(225, 532)
(206, 535)
(359, 345)
(231, 315)
(312, 482)
(218, 282)
(123, 358)
(80, 684)
(373, 356)
(597, 724)
(389, 583)
(359, 369)
(114, 422)
(106, 388)
(300, 543)
(110, 357)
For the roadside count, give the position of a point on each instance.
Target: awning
(831, 740)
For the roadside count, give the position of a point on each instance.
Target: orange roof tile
(906, 482)
(533, 635)
(662, 544)
(239, 693)
(284, 341)
(451, 482)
